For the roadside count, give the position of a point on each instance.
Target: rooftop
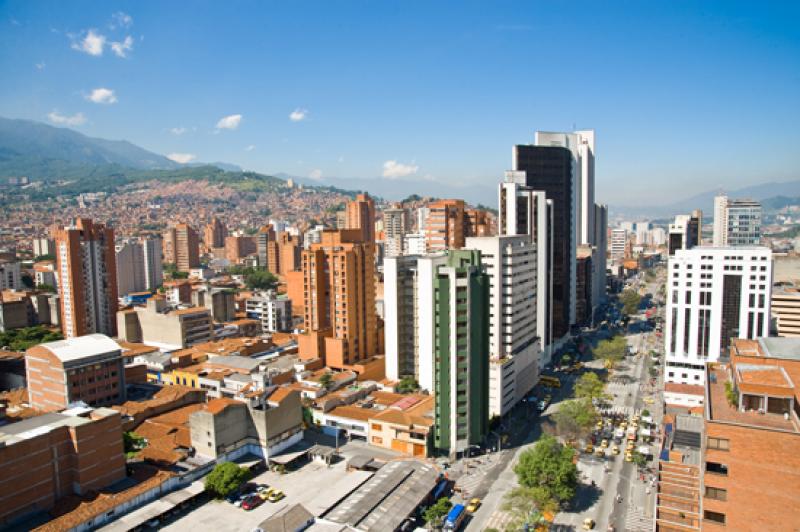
(39, 425)
(81, 347)
(234, 362)
(780, 347)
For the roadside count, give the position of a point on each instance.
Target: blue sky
(685, 96)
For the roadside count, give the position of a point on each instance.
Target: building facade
(444, 225)
(273, 312)
(737, 222)
(87, 278)
(713, 296)
(181, 247)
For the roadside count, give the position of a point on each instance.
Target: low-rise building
(273, 311)
(158, 324)
(47, 457)
(84, 368)
(786, 310)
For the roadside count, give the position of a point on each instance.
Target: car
(629, 456)
(264, 494)
(252, 502)
(233, 497)
(649, 400)
(473, 506)
(600, 452)
(276, 495)
(588, 524)
(604, 444)
(599, 425)
(589, 449)
(615, 450)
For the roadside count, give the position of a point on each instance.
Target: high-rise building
(237, 247)
(43, 247)
(713, 295)
(339, 299)
(153, 267)
(395, 228)
(524, 211)
(685, 232)
(214, 234)
(289, 250)
(87, 278)
(360, 214)
(267, 249)
(130, 268)
(510, 264)
(619, 243)
(273, 312)
(461, 340)
(444, 226)
(10, 277)
(549, 169)
(415, 244)
(786, 310)
(408, 300)
(736, 222)
(181, 247)
(478, 223)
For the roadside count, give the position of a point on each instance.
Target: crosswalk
(637, 521)
(499, 520)
(619, 409)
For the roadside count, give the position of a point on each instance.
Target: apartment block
(510, 265)
(360, 215)
(214, 234)
(396, 225)
(272, 311)
(461, 340)
(55, 455)
(44, 247)
(86, 368)
(181, 246)
(445, 225)
(685, 232)
(237, 247)
(87, 284)
(25, 309)
(713, 295)
(166, 327)
(339, 300)
(130, 268)
(786, 310)
(10, 273)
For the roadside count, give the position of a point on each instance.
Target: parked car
(276, 495)
(473, 506)
(251, 502)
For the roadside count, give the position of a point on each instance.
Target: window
(376, 426)
(720, 444)
(376, 439)
(718, 494)
(717, 517)
(717, 468)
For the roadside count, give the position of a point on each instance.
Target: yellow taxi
(615, 450)
(473, 505)
(600, 452)
(276, 495)
(604, 444)
(589, 448)
(629, 456)
(588, 524)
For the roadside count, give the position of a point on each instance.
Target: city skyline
(660, 98)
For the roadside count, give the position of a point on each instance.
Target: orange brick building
(239, 247)
(339, 299)
(444, 227)
(181, 247)
(45, 458)
(87, 278)
(748, 471)
(87, 368)
(360, 214)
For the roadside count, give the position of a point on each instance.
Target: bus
(549, 381)
(455, 518)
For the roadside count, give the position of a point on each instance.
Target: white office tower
(581, 144)
(619, 239)
(510, 263)
(524, 211)
(153, 270)
(736, 222)
(130, 268)
(408, 299)
(395, 227)
(713, 294)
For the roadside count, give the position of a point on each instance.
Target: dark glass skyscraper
(549, 169)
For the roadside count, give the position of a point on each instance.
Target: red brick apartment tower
(444, 227)
(360, 214)
(339, 299)
(87, 272)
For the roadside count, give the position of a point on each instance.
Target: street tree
(575, 418)
(611, 350)
(548, 468)
(589, 386)
(225, 478)
(630, 300)
(435, 513)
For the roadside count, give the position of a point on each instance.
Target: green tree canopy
(260, 280)
(326, 379)
(575, 418)
(225, 478)
(548, 470)
(630, 301)
(589, 386)
(22, 339)
(612, 350)
(437, 511)
(407, 385)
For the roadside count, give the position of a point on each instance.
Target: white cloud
(298, 115)
(121, 49)
(121, 20)
(229, 122)
(182, 158)
(315, 174)
(75, 120)
(177, 131)
(92, 43)
(40, 66)
(102, 95)
(250, 147)
(393, 169)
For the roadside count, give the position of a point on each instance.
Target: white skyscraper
(619, 239)
(736, 222)
(510, 263)
(714, 294)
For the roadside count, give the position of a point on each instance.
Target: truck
(455, 517)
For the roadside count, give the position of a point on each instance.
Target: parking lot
(314, 485)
